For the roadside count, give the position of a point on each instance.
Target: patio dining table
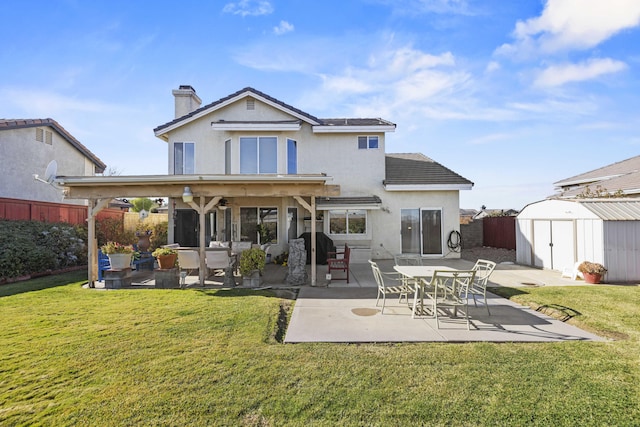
(421, 276)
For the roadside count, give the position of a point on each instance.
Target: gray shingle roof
(311, 118)
(418, 169)
(6, 124)
(623, 176)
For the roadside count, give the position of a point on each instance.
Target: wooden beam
(228, 190)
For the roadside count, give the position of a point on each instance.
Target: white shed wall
(622, 251)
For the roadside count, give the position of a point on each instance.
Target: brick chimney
(186, 100)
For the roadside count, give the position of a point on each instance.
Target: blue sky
(513, 95)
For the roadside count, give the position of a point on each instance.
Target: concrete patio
(334, 311)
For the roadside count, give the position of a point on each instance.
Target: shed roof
(604, 209)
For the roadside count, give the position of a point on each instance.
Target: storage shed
(555, 234)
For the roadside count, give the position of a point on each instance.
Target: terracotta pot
(143, 242)
(593, 278)
(167, 261)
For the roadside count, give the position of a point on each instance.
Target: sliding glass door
(421, 231)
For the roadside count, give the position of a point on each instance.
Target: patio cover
(208, 190)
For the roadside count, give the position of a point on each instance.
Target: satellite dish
(49, 174)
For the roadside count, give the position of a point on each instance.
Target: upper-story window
(183, 158)
(367, 142)
(259, 154)
(292, 157)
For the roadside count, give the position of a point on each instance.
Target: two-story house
(379, 203)
(28, 146)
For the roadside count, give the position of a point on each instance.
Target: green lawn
(74, 356)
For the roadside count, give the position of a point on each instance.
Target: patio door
(186, 227)
(421, 231)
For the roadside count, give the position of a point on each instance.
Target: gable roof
(415, 171)
(323, 125)
(623, 176)
(6, 124)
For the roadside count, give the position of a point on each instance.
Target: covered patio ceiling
(207, 191)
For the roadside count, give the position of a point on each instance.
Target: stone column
(297, 274)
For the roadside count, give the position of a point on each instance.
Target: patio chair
(103, 264)
(339, 264)
(399, 288)
(450, 289)
(189, 261)
(219, 259)
(407, 259)
(483, 269)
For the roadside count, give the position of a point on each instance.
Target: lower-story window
(344, 221)
(259, 225)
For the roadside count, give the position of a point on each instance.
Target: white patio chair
(483, 269)
(451, 290)
(398, 288)
(219, 259)
(188, 261)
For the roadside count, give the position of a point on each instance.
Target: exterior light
(222, 204)
(187, 196)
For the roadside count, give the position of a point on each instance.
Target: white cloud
(492, 66)
(572, 24)
(557, 75)
(249, 7)
(283, 27)
(487, 139)
(413, 7)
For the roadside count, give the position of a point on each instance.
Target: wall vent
(49, 137)
(39, 135)
(251, 104)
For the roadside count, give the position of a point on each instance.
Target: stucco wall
(21, 156)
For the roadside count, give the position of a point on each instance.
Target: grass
(71, 356)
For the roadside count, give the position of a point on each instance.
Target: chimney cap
(187, 87)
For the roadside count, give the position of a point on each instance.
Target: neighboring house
(27, 146)
(621, 178)
(466, 215)
(381, 203)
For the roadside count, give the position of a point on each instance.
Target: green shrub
(28, 247)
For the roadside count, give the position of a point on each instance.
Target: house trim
(427, 187)
(289, 125)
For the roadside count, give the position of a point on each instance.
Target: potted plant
(592, 271)
(252, 262)
(119, 255)
(166, 257)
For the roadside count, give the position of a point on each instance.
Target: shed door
(553, 244)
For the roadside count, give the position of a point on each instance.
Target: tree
(142, 203)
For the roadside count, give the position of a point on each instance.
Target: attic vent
(49, 137)
(39, 135)
(251, 104)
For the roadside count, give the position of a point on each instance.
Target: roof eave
(428, 187)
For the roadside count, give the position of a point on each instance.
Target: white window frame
(368, 141)
(257, 150)
(346, 213)
(185, 168)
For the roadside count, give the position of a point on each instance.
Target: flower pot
(120, 261)
(166, 262)
(593, 278)
(252, 281)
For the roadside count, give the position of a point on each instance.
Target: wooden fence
(499, 232)
(31, 210)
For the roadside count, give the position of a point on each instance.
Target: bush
(28, 247)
